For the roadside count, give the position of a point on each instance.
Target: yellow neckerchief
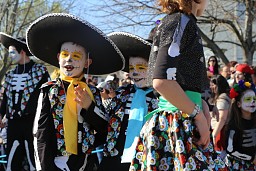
(70, 113)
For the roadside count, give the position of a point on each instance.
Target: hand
(82, 97)
(215, 113)
(203, 129)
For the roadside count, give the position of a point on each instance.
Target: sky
(83, 10)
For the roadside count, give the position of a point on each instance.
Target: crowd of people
(170, 111)
(232, 89)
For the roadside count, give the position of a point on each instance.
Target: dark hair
(247, 78)
(111, 85)
(19, 48)
(221, 84)
(171, 6)
(216, 66)
(89, 81)
(254, 69)
(235, 112)
(232, 63)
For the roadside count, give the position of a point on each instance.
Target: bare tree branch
(225, 23)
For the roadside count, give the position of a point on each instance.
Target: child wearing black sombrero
(71, 118)
(21, 91)
(130, 105)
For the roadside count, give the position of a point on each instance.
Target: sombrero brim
(46, 35)
(131, 46)
(8, 40)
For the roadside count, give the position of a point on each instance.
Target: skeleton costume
(165, 141)
(119, 147)
(241, 139)
(21, 91)
(241, 146)
(52, 141)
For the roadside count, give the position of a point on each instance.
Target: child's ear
(88, 63)
(22, 52)
(58, 56)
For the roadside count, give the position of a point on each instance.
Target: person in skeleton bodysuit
(130, 105)
(21, 91)
(70, 120)
(241, 130)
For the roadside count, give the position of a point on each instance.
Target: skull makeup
(179, 146)
(138, 67)
(248, 101)
(60, 143)
(72, 59)
(14, 54)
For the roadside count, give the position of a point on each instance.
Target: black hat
(18, 43)
(46, 35)
(131, 46)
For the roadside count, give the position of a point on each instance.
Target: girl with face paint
(241, 129)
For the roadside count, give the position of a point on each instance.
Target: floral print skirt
(165, 144)
(239, 165)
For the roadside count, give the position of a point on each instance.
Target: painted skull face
(179, 146)
(72, 59)
(138, 67)
(14, 55)
(248, 101)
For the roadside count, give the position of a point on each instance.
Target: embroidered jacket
(118, 121)
(50, 132)
(28, 91)
(241, 145)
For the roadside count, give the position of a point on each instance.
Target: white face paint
(248, 101)
(14, 55)
(72, 59)
(138, 67)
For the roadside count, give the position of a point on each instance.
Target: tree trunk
(6, 66)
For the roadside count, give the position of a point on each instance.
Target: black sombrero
(130, 45)
(46, 35)
(8, 40)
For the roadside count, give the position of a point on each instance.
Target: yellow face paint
(72, 59)
(249, 99)
(138, 67)
(74, 55)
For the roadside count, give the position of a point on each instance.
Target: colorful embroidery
(117, 113)
(239, 165)
(57, 100)
(34, 76)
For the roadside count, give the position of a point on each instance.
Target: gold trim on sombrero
(130, 35)
(130, 45)
(7, 35)
(17, 42)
